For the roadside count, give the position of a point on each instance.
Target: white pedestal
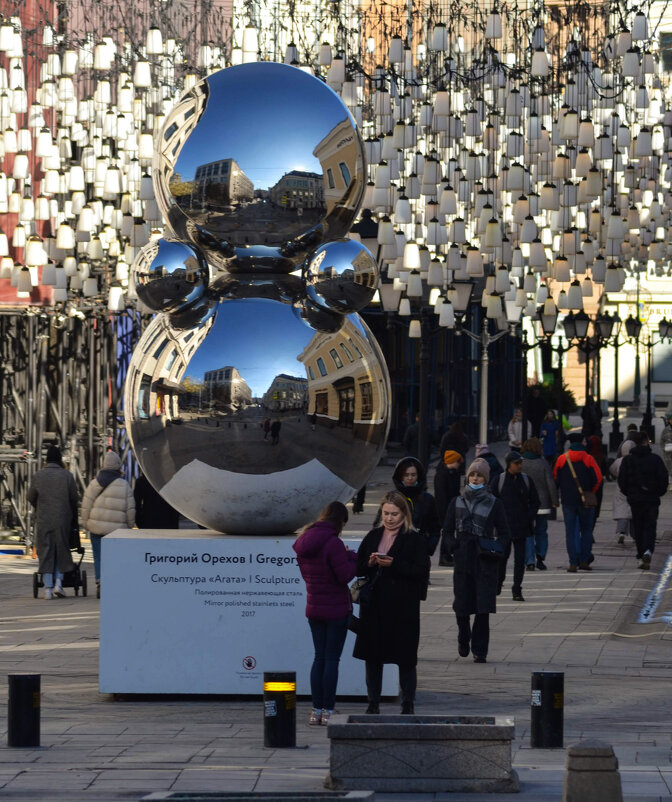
(192, 611)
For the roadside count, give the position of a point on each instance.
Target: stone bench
(421, 753)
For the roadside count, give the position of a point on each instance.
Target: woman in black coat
(475, 577)
(410, 479)
(394, 558)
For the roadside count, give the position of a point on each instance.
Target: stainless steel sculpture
(257, 395)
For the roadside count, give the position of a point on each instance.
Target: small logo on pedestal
(249, 663)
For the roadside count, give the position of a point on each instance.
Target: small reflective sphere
(169, 275)
(251, 421)
(341, 276)
(257, 165)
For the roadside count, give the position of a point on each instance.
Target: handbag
(588, 498)
(356, 588)
(490, 547)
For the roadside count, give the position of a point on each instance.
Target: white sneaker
(58, 590)
(48, 593)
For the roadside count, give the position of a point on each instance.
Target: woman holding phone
(394, 558)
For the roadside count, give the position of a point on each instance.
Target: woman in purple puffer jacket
(327, 565)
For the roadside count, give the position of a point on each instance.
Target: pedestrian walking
(108, 504)
(152, 511)
(358, 500)
(666, 444)
(536, 408)
(621, 511)
(476, 513)
(578, 477)
(410, 480)
(455, 440)
(266, 426)
(411, 439)
(521, 502)
(327, 566)
(643, 480)
(275, 432)
(549, 433)
(483, 451)
(515, 430)
(591, 415)
(394, 558)
(447, 481)
(539, 471)
(53, 493)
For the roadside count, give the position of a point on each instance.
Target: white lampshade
(414, 329)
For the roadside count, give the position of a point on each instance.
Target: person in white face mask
(475, 534)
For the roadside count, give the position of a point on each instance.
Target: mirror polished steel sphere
(257, 165)
(169, 275)
(341, 276)
(252, 421)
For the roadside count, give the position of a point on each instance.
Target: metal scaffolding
(61, 382)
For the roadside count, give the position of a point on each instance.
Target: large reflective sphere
(342, 276)
(257, 165)
(169, 275)
(196, 402)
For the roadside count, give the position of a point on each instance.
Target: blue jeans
(95, 548)
(48, 579)
(579, 523)
(537, 544)
(328, 640)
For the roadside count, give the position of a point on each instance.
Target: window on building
(322, 403)
(310, 373)
(366, 390)
(321, 366)
(347, 352)
(159, 350)
(345, 173)
(330, 178)
(357, 351)
(337, 359)
(171, 360)
(666, 50)
(143, 396)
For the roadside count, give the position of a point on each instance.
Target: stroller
(71, 579)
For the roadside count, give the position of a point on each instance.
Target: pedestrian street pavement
(617, 682)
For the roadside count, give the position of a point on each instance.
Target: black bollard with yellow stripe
(279, 709)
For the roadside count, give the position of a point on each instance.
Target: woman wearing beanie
(474, 513)
(108, 504)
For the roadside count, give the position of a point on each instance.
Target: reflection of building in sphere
(155, 392)
(341, 159)
(222, 183)
(225, 386)
(346, 384)
(299, 190)
(286, 392)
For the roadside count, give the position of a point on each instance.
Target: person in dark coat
(152, 511)
(476, 512)
(53, 493)
(535, 409)
(447, 484)
(409, 478)
(326, 565)
(455, 440)
(591, 415)
(411, 439)
(643, 480)
(482, 450)
(521, 502)
(275, 432)
(394, 558)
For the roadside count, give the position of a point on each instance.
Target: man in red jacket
(579, 520)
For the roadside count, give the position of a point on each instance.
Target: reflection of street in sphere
(254, 358)
(169, 275)
(258, 165)
(341, 276)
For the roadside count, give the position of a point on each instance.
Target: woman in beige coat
(108, 504)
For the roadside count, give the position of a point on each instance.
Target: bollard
(547, 709)
(592, 774)
(23, 710)
(279, 708)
